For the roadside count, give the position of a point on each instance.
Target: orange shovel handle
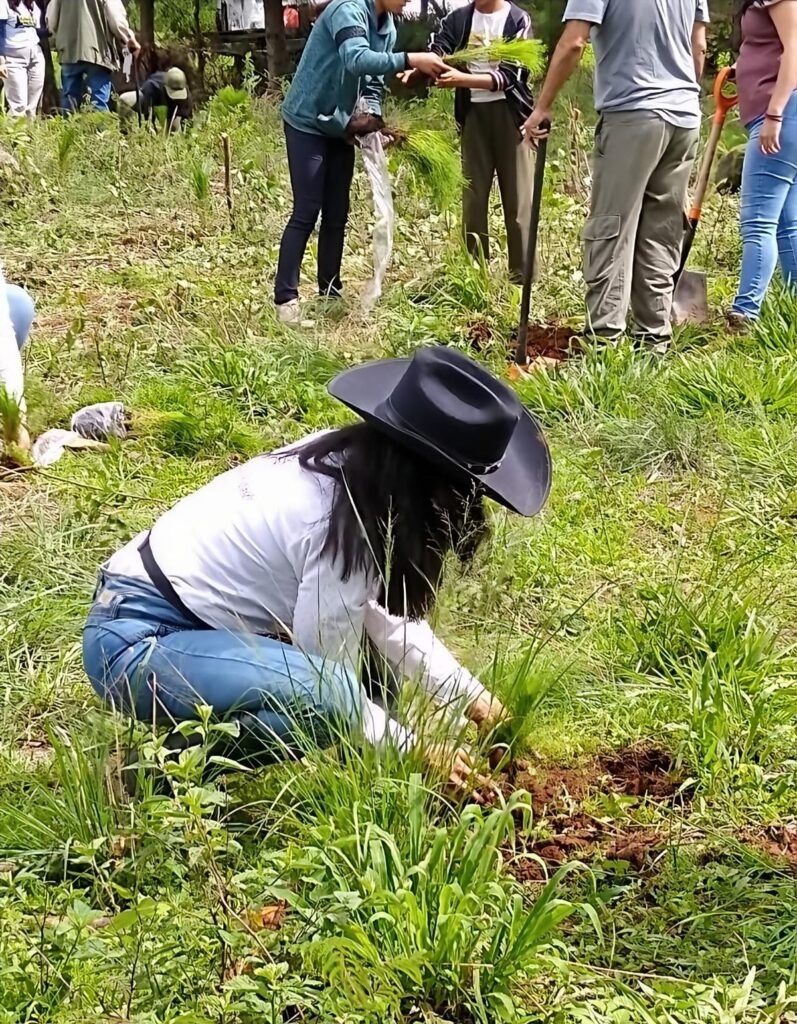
(724, 102)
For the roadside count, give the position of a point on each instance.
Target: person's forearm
(699, 50)
(565, 60)
(486, 82)
(786, 83)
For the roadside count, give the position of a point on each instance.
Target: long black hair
(395, 516)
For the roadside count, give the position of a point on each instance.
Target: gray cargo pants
(492, 146)
(632, 241)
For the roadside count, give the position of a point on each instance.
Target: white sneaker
(289, 312)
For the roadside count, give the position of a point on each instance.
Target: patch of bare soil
(548, 344)
(777, 841)
(642, 771)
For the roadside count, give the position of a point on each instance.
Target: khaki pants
(632, 241)
(25, 81)
(491, 145)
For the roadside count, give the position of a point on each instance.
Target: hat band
(479, 468)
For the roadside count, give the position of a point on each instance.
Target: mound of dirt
(777, 841)
(546, 342)
(585, 839)
(643, 771)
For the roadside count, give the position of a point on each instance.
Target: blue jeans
(321, 171)
(769, 214)
(81, 78)
(143, 657)
(22, 310)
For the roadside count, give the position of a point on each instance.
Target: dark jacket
(452, 34)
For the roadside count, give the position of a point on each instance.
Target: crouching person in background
(166, 90)
(258, 594)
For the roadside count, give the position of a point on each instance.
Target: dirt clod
(641, 770)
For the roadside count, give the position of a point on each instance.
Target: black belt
(163, 585)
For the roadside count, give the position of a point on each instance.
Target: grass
(652, 600)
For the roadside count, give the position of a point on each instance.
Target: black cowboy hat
(453, 411)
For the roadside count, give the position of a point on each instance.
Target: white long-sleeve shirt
(10, 360)
(245, 553)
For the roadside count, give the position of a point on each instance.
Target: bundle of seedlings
(528, 53)
(431, 158)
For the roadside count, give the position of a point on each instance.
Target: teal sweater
(346, 57)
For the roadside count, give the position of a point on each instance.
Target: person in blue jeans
(260, 593)
(87, 35)
(766, 77)
(348, 54)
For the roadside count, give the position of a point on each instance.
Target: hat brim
(177, 94)
(521, 483)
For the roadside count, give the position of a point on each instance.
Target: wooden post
(225, 143)
(276, 43)
(147, 30)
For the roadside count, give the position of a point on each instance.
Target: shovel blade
(690, 301)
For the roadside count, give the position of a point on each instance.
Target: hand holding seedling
(428, 64)
(454, 79)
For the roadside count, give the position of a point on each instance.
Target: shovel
(690, 298)
(521, 352)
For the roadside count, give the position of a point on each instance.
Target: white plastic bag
(52, 444)
(375, 163)
(101, 421)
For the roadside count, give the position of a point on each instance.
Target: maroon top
(759, 60)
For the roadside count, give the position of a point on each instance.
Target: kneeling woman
(256, 595)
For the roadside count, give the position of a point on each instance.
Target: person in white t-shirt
(21, 56)
(260, 593)
(492, 102)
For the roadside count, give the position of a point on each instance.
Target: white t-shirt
(245, 553)
(21, 26)
(485, 30)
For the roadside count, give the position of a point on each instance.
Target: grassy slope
(657, 587)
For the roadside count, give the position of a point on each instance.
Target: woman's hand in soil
(769, 139)
(453, 764)
(428, 64)
(486, 712)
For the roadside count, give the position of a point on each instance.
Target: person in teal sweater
(348, 55)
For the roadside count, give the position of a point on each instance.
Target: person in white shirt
(256, 594)
(21, 56)
(491, 103)
(17, 312)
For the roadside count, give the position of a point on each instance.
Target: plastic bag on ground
(52, 444)
(375, 163)
(101, 421)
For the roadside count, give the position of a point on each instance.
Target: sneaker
(737, 323)
(289, 312)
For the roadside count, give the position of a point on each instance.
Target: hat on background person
(176, 84)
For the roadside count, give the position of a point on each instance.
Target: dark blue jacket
(453, 33)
